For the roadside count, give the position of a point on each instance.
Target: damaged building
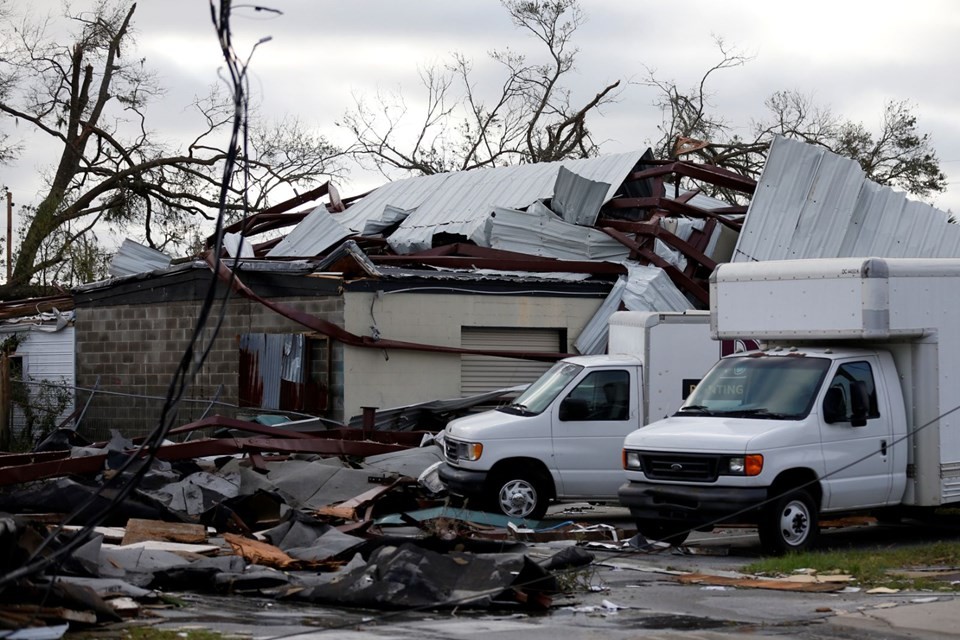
(409, 293)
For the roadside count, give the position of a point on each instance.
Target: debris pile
(335, 517)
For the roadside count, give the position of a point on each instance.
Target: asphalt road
(630, 595)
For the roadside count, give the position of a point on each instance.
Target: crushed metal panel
(459, 204)
(133, 257)
(539, 232)
(811, 203)
(312, 236)
(576, 199)
(391, 216)
(645, 288)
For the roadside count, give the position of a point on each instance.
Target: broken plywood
(139, 530)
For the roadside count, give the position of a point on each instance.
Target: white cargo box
(838, 298)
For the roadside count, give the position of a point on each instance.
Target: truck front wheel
(519, 495)
(789, 523)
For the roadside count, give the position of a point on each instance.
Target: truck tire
(789, 524)
(519, 495)
(673, 532)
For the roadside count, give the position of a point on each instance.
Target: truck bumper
(462, 482)
(694, 505)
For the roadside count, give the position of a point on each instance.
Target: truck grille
(450, 450)
(665, 466)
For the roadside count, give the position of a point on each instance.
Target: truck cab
(556, 440)
(773, 437)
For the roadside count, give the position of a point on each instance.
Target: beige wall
(397, 378)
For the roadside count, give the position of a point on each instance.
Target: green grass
(150, 633)
(885, 568)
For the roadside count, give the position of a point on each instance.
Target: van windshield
(763, 387)
(544, 390)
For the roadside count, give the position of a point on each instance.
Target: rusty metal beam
(91, 465)
(704, 172)
(654, 230)
(682, 280)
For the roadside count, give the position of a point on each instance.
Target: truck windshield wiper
(519, 408)
(760, 412)
(695, 408)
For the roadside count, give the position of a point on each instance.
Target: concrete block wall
(131, 352)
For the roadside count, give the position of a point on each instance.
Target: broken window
(284, 372)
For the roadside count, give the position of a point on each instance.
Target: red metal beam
(654, 230)
(682, 280)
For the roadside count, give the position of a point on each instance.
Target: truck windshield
(763, 387)
(542, 392)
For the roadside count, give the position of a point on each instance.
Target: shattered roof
(455, 203)
(811, 203)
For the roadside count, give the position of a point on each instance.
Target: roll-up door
(480, 374)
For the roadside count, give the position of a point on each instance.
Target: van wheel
(790, 523)
(519, 495)
(674, 533)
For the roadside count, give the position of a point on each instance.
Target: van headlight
(469, 451)
(631, 460)
(748, 465)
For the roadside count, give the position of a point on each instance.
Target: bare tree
(899, 155)
(531, 117)
(91, 97)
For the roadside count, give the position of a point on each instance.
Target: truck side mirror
(860, 402)
(573, 409)
(834, 406)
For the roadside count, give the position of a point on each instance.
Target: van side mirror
(860, 402)
(573, 409)
(834, 406)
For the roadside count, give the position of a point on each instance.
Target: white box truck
(851, 405)
(561, 439)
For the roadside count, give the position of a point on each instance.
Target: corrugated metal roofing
(811, 203)
(133, 257)
(644, 288)
(457, 204)
(539, 232)
(317, 232)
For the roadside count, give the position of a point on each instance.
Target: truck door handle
(883, 447)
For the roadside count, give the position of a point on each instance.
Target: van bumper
(462, 482)
(697, 506)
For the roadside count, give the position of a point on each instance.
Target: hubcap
(518, 498)
(794, 523)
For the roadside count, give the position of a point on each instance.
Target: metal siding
(47, 355)
(811, 203)
(480, 374)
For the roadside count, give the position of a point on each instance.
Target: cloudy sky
(850, 56)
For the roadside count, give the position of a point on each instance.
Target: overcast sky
(848, 55)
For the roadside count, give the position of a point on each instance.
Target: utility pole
(9, 233)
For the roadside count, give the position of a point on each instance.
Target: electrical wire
(188, 366)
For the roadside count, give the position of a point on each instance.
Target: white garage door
(480, 374)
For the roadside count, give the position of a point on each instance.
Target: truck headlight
(470, 451)
(748, 465)
(631, 460)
